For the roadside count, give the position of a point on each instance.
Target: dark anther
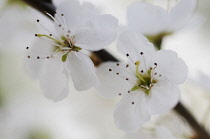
(37, 20)
(155, 64)
(69, 31)
(126, 78)
(132, 102)
(129, 91)
(110, 69)
(155, 73)
(142, 71)
(36, 35)
(150, 68)
(127, 65)
(62, 14)
(38, 57)
(127, 55)
(50, 34)
(118, 64)
(117, 73)
(29, 57)
(59, 25)
(48, 57)
(27, 48)
(120, 94)
(160, 75)
(141, 53)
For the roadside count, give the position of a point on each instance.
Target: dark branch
(42, 5)
(201, 132)
(47, 6)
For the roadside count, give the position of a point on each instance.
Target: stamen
(38, 21)
(52, 18)
(145, 65)
(64, 20)
(130, 80)
(43, 35)
(137, 63)
(56, 21)
(61, 23)
(53, 44)
(132, 103)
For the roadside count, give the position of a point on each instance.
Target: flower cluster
(147, 82)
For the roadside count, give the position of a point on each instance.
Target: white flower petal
(53, 81)
(133, 44)
(111, 84)
(163, 97)
(147, 19)
(75, 14)
(182, 14)
(98, 32)
(82, 71)
(41, 49)
(129, 117)
(170, 66)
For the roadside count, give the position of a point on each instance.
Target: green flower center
(145, 80)
(65, 45)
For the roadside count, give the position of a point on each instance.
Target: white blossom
(58, 55)
(153, 20)
(147, 83)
